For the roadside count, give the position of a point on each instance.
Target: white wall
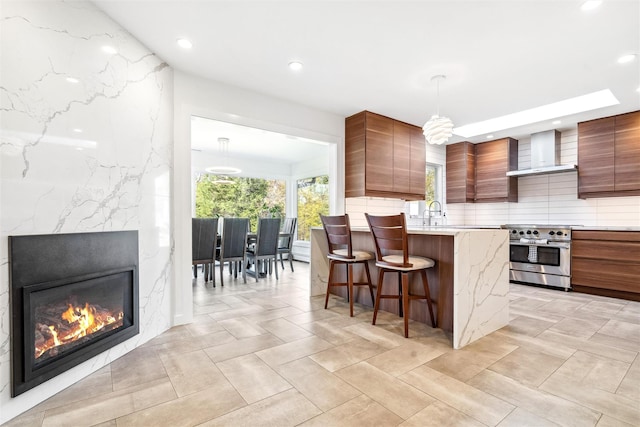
(205, 98)
(115, 175)
(550, 199)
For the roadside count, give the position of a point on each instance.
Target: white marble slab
(480, 277)
(85, 145)
(481, 284)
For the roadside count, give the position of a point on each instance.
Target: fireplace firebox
(73, 296)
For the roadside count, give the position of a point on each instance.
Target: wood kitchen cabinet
(606, 263)
(609, 156)
(383, 158)
(461, 172)
(493, 160)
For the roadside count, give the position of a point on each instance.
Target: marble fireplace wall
(86, 145)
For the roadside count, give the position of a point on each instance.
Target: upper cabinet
(609, 156)
(477, 173)
(383, 158)
(461, 173)
(493, 160)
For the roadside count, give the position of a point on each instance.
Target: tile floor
(266, 354)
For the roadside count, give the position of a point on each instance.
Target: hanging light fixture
(438, 129)
(224, 169)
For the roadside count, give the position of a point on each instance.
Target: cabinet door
(596, 156)
(627, 152)
(418, 163)
(460, 172)
(379, 153)
(401, 157)
(354, 155)
(493, 160)
(606, 260)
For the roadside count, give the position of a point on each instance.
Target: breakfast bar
(469, 283)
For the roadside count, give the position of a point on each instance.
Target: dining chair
(233, 246)
(337, 228)
(204, 233)
(392, 255)
(266, 246)
(285, 243)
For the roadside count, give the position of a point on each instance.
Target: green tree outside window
(313, 200)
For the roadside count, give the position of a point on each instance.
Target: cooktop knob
(528, 231)
(551, 233)
(535, 232)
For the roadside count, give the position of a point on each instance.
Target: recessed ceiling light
(295, 65)
(184, 43)
(489, 136)
(579, 104)
(109, 49)
(590, 4)
(638, 90)
(556, 122)
(72, 80)
(77, 130)
(624, 59)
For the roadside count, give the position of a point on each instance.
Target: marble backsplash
(86, 145)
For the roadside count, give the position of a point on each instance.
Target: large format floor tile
(268, 354)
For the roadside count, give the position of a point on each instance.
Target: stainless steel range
(540, 254)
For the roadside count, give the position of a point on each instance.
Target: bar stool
(392, 255)
(338, 233)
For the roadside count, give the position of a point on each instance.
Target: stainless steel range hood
(545, 155)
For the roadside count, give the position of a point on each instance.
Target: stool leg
(329, 281)
(378, 293)
(405, 303)
(366, 269)
(400, 301)
(350, 287)
(427, 294)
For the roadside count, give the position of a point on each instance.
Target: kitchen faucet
(434, 211)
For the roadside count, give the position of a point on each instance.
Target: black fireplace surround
(73, 296)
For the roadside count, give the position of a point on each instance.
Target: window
(433, 183)
(313, 200)
(251, 198)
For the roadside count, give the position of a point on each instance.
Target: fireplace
(73, 296)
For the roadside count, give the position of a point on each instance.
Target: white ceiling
(499, 57)
(246, 142)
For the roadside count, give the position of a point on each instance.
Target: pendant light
(224, 169)
(438, 129)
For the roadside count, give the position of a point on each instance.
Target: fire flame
(80, 322)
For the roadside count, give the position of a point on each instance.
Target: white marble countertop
(451, 230)
(606, 228)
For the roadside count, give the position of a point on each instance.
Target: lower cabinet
(606, 263)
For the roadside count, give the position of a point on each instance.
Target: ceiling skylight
(579, 104)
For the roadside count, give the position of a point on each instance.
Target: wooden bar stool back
(392, 255)
(338, 231)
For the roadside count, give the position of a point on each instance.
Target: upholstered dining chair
(338, 231)
(233, 245)
(392, 255)
(204, 232)
(266, 247)
(285, 243)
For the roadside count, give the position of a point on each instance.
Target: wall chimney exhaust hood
(545, 155)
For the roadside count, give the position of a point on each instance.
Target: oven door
(551, 258)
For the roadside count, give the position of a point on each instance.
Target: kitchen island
(469, 283)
